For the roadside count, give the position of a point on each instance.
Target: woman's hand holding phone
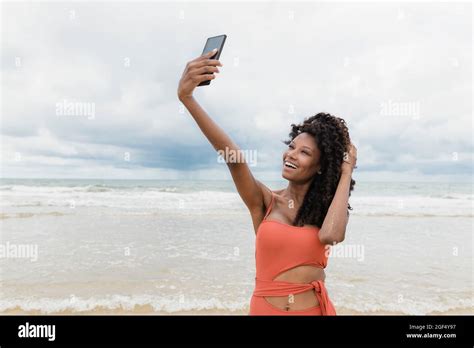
(197, 70)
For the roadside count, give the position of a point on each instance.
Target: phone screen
(214, 42)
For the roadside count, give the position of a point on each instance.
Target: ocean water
(83, 245)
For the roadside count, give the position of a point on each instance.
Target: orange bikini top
(280, 247)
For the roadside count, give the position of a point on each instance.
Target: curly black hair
(332, 137)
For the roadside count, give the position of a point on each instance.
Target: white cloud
(342, 58)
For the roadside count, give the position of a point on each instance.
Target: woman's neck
(296, 192)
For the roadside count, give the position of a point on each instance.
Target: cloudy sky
(399, 74)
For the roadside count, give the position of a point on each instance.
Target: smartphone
(211, 43)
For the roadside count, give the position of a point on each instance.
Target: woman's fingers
(204, 77)
(205, 69)
(204, 62)
(210, 53)
(351, 155)
(354, 150)
(213, 62)
(209, 65)
(202, 57)
(354, 154)
(202, 68)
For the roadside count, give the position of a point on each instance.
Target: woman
(294, 226)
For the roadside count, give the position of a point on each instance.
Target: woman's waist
(269, 287)
(302, 274)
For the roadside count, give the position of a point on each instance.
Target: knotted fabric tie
(282, 288)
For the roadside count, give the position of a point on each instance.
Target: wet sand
(148, 310)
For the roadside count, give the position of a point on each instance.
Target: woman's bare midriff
(305, 300)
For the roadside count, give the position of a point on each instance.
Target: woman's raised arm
(200, 69)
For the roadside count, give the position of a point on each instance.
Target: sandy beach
(188, 248)
(148, 310)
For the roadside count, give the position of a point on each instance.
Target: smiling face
(301, 159)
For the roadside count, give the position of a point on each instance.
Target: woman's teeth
(291, 165)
